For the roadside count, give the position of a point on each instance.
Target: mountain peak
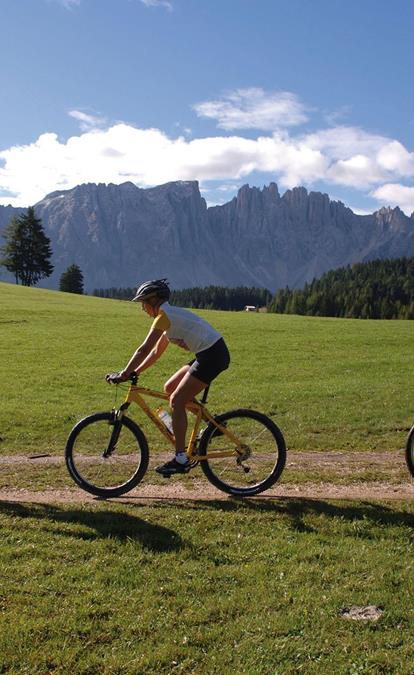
(118, 233)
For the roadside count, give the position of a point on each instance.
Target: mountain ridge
(122, 234)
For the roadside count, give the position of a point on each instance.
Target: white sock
(181, 457)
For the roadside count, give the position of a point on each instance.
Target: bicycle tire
(409, 451)
(84, 438)
(225, 473)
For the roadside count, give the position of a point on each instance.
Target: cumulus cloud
(395, 194)
(343, 155)
(394, 157)
(148, 157)
(253, 108)
(359, 159)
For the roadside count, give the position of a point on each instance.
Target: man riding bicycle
(190, 332)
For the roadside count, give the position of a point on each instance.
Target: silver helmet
(149, 289)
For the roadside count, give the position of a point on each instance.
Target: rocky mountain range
(120, 235)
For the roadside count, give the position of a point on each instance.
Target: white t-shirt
(185, 329)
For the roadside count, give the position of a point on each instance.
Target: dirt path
(144, 493)
(320, 469)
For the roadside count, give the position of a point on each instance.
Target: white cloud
(360, 159)
(254, 108)
(167, 4)
(343, 142)
(346, 156)
(359, 211)
(394, 157)
(68, 4)
(158, 3)
(187, 131)
(359, 171)
(334, 117)
(395, 194)
(86, 120)
(228, 188)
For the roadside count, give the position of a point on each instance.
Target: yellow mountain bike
(241, 452)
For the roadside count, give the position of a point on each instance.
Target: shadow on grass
(107, 524)
(296, 510)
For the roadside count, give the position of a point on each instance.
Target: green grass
(205, 587)
(224, 587)
(330, 384)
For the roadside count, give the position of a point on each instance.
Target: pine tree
(27, 250)
(71, 281)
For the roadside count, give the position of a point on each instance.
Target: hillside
(331, 384)
(380, 289)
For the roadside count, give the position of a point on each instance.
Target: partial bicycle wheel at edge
(110, 476)
(409, 451)
(264, 459)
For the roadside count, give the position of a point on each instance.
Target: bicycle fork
(116, 422)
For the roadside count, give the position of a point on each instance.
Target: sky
(314, 93)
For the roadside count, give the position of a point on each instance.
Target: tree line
(27, 254)
(209, 297)
(379, 289)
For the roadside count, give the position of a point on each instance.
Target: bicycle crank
(243, 457)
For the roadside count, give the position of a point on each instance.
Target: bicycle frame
(136, 395)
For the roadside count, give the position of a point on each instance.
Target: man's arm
(154, 354)
(142, 352)
(141, 355)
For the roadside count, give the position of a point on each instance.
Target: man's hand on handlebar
(116, 378)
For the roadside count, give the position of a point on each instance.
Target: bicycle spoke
(92, 467)
(255, 459)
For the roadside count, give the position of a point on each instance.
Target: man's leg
(171, 385)
(188, 387)
(182, 387)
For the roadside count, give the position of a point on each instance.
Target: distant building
(250, 308)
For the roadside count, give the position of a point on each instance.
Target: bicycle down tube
(136, 395)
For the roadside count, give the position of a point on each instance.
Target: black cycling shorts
(210, 362)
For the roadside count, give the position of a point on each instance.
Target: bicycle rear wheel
(409, 451)
(99, 471)
(264, 453)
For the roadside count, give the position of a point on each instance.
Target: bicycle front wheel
(263, 458)
(409, 451)
(99, 471)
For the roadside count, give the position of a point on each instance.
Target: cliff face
(120, 235)
(292, 239)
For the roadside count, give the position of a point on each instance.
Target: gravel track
(395, 483)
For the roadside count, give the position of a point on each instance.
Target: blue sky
(301, 92)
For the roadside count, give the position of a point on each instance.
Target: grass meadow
(202, 587)
(331, 384)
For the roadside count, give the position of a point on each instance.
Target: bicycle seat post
(205, 394)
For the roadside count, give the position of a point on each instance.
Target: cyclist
(190, 332)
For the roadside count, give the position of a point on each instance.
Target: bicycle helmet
(149, 289)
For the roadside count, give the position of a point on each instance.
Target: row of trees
(115, 293)
(210, 297)
(220, 297)
(380, 289)
(27, 254)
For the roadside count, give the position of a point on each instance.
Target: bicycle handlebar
(133, 378)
